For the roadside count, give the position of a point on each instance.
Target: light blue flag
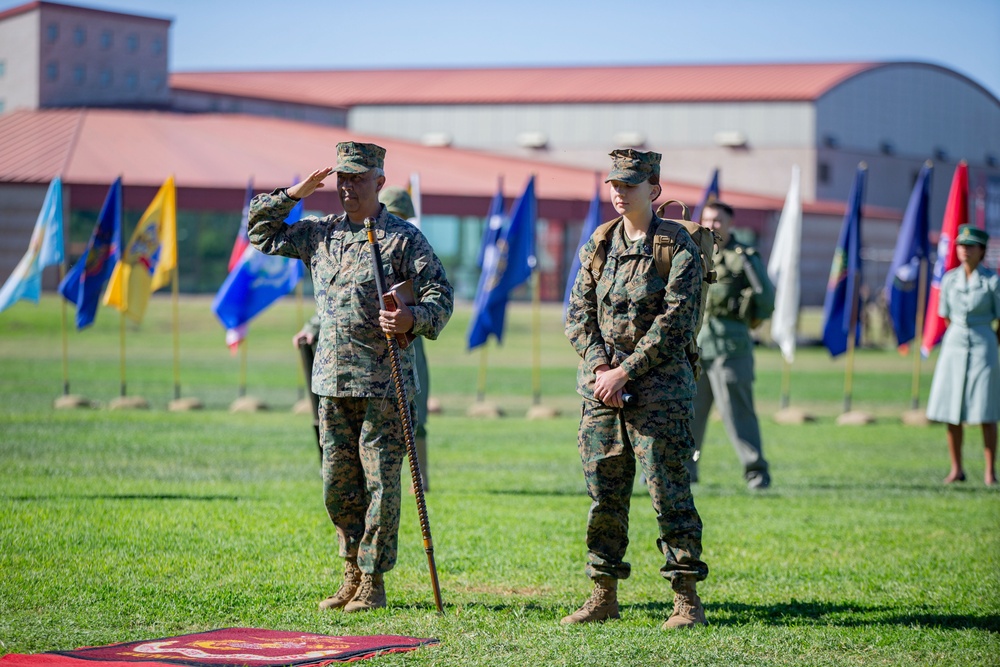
(505, 269)
(44, 249)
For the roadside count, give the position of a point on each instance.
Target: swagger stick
(388, 302)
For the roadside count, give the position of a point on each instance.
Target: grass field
(125, 525)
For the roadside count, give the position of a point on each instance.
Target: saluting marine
(360, 433)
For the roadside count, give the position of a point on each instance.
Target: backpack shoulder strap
(600, 236)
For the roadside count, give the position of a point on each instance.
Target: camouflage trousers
(610, 442)
(363, 452)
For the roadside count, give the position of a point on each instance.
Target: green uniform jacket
(632, 317)
(732, 303)
(352, 353)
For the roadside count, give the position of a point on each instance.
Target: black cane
(388, 302)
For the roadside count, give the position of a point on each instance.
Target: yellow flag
(149, 258)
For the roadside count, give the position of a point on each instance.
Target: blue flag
(843, 298)
(494, 223)
(711, 194)
(912, 248)
(257, 281)
(44, 249)
(590, 223)
(509, 265)
(84, 284)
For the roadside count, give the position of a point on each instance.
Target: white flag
(783, 270)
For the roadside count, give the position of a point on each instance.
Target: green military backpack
(664, 248)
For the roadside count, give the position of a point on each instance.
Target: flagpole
(919, 339)
(243, 366)
(175, 298)
(121, 351)
(481, 384)
(851, 334)
(65, 336)
(536, 326)
(786, 381)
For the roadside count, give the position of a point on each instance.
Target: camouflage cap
(969, 235)
(633, 167)
(357, 158)
(397, 201)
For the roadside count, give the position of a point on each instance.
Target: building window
(79, 74)
(79, 36)
(157, 46)
(131, 80)
(157, 80)
(52, 32)
(52, 71)
(106, 78)
(132, 43)
(107, 39)
(823, 172)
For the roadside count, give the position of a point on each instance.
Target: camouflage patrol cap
(397, 201)
(969, 235)
(633, 167)
(357, 158)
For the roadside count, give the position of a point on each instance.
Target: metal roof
(530, 85)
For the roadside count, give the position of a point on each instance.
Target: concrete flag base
(185, 404)
(855, 418)
(247, 404)
(915, 418)
(793, 416)
(129, 403)
(542, 412)
(71, 402)
(484, 410)
(303, 406)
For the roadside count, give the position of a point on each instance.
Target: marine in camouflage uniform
(631, 320)
(360, 430)
(735, 305)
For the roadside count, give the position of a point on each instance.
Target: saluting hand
(312, 183)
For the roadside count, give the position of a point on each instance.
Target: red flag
(955, 213)
(242, 239)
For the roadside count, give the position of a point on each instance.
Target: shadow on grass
(828, 614)
(123, 496)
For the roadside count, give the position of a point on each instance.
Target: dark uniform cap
(397, 201)
(633, 167)
(356, 158)
(969, 235)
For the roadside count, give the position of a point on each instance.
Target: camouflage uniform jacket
(632, 317)
(352, 353)
(733, 304)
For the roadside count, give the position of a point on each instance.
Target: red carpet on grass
(228, 647)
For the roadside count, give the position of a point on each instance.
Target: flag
(912, 247)
(956, 212)
(494, 224)
(783, 270)
(44, 249)
(150, 257)
(509, 265)
(257, 281)
(242, 238)
(84, 283)
(711, 194)
(842, 291)
(590, 223)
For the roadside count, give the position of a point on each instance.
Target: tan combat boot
(602, 605)
(688, 611)
(370, 595)
(352, 578)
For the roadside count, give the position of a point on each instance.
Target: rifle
(388, 302)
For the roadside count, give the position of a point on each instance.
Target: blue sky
(963, 35)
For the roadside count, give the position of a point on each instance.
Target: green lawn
(125, 525)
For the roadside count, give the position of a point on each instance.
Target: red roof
(221, 151)
(530, 85)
